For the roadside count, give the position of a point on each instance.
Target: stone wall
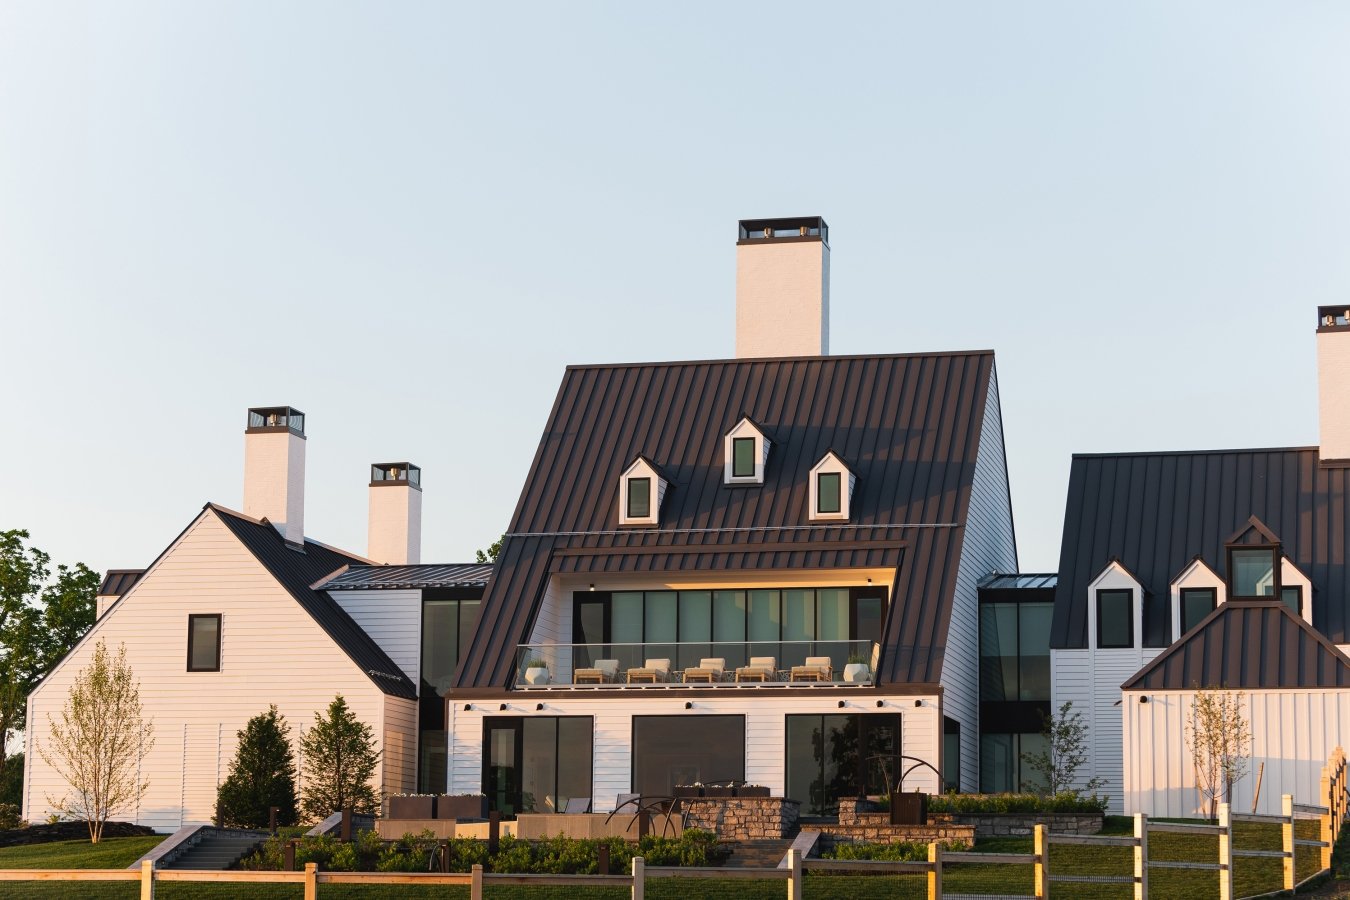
(1023, 824)
(743, 818)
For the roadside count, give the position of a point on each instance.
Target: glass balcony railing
(716, 663)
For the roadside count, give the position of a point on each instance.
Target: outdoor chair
(577, 805)
(817, 668)
(653, 670)
(710, 670)
(761, 668)
(605, 671)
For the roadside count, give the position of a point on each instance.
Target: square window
(1196, 603)
(1251, 572)
(827, 492)
(1293, 598)
(639, 498)
(743, 457)
(203, 653)
(1115, 619)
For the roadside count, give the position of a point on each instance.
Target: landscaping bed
(69, 831)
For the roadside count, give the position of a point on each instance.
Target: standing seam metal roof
(908, 424)
(427, 575)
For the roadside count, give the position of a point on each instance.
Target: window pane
(574, 758)
(729, 627)
(660, 632)
(539, 766)
(441, 640)
(468, 618)
(1196, 603)
(997, 763)
(880, 738)
(827, 492)
(669, 751)
(1293, 598)
(1033, 650)
(766, 616)
(800, 621)
(1114, 619)
(695, 628)
(1253, 573)
(869, 619)
(639, 498)
(204, 634)
(625, 627)
(951, 754)
(804, 755)
(832, 608)
(998, 651)
(743, 457)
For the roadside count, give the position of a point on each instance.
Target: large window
(951, 754)
(669, 751)
(1196, 603)
(203, 649)
(1252, 573)
(1002, 767)
(536, 764)
(447, 629)
(1014, 684)
(1115, 619)
(835, 756)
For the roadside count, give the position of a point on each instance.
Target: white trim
(641, 469)
(745, 428)
(1115, 578)
(1290, 576)
(1199, 574)
(831, 463)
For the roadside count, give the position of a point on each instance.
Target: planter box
(412, 807)
(752, 790)
(719, 792)
(466, 806)
(909, 809)
(688, 791)
(537, 675)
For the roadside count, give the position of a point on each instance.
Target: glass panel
(625, 629)
(881, 738)
(574, 758)
(832, 608)
(998, 651)
(827, 492)
(660, 632)
(840, 763)
(799, 624)
(1196, 603)
(590, 632)
(742, 457)
(639, 498)
(869, 619)
(669, 751)
(695, 627)
(468, 619)
(1114, 619)
(502, 788)
(539, 766)
(1293, 598)
(1253, 573)
(766, 620)
(1033, 650)
(205, 633)
(441, 640)
(997, 763)
(804, 782)
(431, 771)
(951, 755)
(1029, 744)
(729, 627)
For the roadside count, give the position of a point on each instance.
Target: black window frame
(861, 725)
(192, 619)
(1293, 587)
(754, 456)
(516, 724)
(628, 497)
(1129, 619)
(1181, 601)
(1276, 563)
(673, 717)
(838, 495)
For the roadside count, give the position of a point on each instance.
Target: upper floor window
(742, 457)
(1115, 619)
(1253, 573)
(1292, 596)
(746, 452)
(203, 649)
(1196, 603)
(641, 490)
(831, 488)
(639, 498)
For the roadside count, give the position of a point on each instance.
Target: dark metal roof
(1155, 512)
(909, 425)
(296, 571)
(118, 581)
(1247, 644)
(1021, 581)
(430, 575)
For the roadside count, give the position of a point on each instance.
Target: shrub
(984, 804)
(900, 851)
(262, 775)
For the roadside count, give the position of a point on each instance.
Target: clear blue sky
(405, 219)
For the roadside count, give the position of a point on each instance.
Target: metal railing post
(311, 881)
(476, 882)
(1042, 865)
(147, 879)
(639, 879)
(1140, 856)
(794, 885)
(934, 871)
(1225, 852)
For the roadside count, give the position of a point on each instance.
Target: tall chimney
(395, 514)
(1333, 384)
(783, 287)
(274, 469)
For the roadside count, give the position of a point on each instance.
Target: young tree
(262, 775)
(41, 618)
(492, 552)
(339, 758)
(98, 745)
(1064, 754)
(1220, 741)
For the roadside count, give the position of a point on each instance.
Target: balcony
(746, 665)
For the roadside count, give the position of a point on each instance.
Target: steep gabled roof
(1246, 645)
(909, 425)
(1157, 511)
(421, 575)
(118, 581)
(296, 571)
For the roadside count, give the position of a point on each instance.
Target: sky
(406, 219)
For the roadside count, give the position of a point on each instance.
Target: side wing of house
(271, 651)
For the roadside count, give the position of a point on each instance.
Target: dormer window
(831, 489)
(745, 450)
(1253, 563)
(641, 490)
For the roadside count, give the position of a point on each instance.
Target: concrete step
(757, 854)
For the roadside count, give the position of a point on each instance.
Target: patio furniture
(761, 668)
(710, 670)
(653, 671)
(605, 671)
(817, 668)
(576, 805)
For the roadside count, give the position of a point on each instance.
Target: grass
(1251, 876)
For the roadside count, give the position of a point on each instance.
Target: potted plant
(689, 791)
(752, 790)
(461, 806)
(858, 669)
(718, 790)
(536, 671)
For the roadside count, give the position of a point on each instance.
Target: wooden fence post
(147, 879)
(602, 859)
(476, 882)
(1140, 856)
(639, 878)
(1042, 868)
(311, 881)
(1287, 838)
(934, 871)
(1225, 852)
(1328, 831)
(794, 890)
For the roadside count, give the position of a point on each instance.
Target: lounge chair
(653, 670)
(605, 671)
(710, 670)
(817, 668)
(577, 805)
(761, 668)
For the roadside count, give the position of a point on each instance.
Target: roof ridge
(1109, 455)
(766, 359)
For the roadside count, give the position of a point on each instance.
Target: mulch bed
(68, 831)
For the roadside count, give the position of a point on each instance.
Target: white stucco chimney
(783, 287)
(1333, 384)
(274, 469)
(395, 514)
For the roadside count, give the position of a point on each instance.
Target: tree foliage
(339, 759)
(1064, 754)
(262, 775)
(41, 618)
(493, 551)
(1220, 741)
(98, 745)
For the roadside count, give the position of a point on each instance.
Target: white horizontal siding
(400, 745)
(393, 619)
(272, 652)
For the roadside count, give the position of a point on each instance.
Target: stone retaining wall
(1023, 824)
(742, 818)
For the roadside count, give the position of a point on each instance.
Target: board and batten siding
(1293, 734)
(393, 619)
(271, 652)
(765, 733)
(987, 546)
(400, 745)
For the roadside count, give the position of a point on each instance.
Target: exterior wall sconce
(1143, 699)
(881, 703)
(592, 585)
(918, 703)
(504, 707)
(468, 707)
(842, 704)
(538, 706)
(688, 704)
